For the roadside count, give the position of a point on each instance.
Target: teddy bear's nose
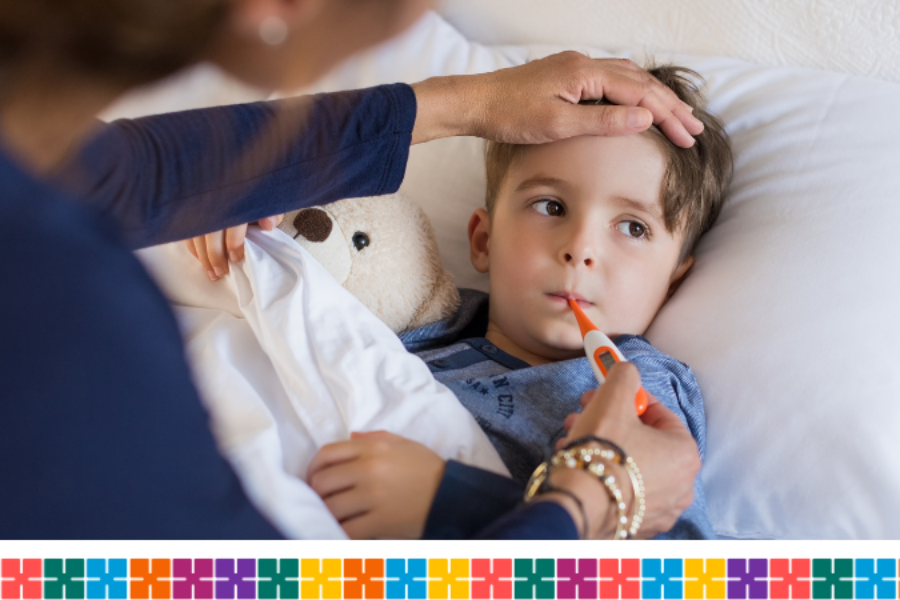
(313, 223)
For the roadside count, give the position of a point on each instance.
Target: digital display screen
(607, 359)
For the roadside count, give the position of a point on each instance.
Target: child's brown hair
(694, 183)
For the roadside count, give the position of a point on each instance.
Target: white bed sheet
(287, 361)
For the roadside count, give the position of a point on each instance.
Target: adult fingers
(234, 242)
(659, 417)
(612, 403)
(627, 83)
(215, 251)
(609, 120)
(633, 87)
(569, 421)
(586, 397)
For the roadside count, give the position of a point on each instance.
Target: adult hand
(215, 249)
(660, 444)
(538, 102)
(377, 485)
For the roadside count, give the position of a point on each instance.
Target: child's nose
(588, 261)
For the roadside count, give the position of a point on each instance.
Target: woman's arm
(533, 103)
(179, 175)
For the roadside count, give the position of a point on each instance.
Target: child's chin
(564, 349)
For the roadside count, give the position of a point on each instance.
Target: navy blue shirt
(102, 434)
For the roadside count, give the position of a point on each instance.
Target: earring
(273, 30)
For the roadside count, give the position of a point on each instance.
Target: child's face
(577, 218)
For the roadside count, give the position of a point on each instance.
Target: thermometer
(602, 353)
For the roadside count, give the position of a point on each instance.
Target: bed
(789, 316)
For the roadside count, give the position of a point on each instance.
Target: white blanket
(288, 361)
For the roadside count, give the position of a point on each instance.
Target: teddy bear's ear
(443, 300)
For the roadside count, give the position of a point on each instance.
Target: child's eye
(635, 229)
(551, 208)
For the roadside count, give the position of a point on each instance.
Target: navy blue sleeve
(536, 521)
(468, 500)
(102, 434)
(471, 502)
(178, 175)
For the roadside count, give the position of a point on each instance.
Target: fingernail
(219, 272)
(211, 275)
(639, 118)
(233, 257)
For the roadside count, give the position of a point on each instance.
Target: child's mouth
(563, 298)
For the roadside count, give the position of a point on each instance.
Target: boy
(609, 222)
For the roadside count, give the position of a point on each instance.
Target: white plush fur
(399, 275)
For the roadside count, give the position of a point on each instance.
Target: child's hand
(377, 485)
(214, 250)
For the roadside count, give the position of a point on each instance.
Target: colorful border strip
(444, 579)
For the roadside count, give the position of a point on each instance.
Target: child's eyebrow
(652, 209)
(541, 181)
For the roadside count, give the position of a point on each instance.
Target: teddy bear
(383, 250)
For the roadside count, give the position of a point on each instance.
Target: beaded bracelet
(587, 439)
(638, 505)
(591, 460)
(616, 494)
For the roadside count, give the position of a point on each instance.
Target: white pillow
(860, 37)
(788, 318)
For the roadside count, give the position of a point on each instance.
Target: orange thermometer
(602, 353)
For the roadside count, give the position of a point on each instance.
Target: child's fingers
(332, 454)
(190, 246)
(215, 251)
(349, 504)
(335, 479)
(270, 223)
(361, 527)
(200, 246)
(234, 243)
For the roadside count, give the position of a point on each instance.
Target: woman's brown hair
(122, 42)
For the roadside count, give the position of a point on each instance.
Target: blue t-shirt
(522, 408)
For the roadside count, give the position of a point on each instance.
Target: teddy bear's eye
(360, 240)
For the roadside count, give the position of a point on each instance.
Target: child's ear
(479, 239)
(679, 275)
